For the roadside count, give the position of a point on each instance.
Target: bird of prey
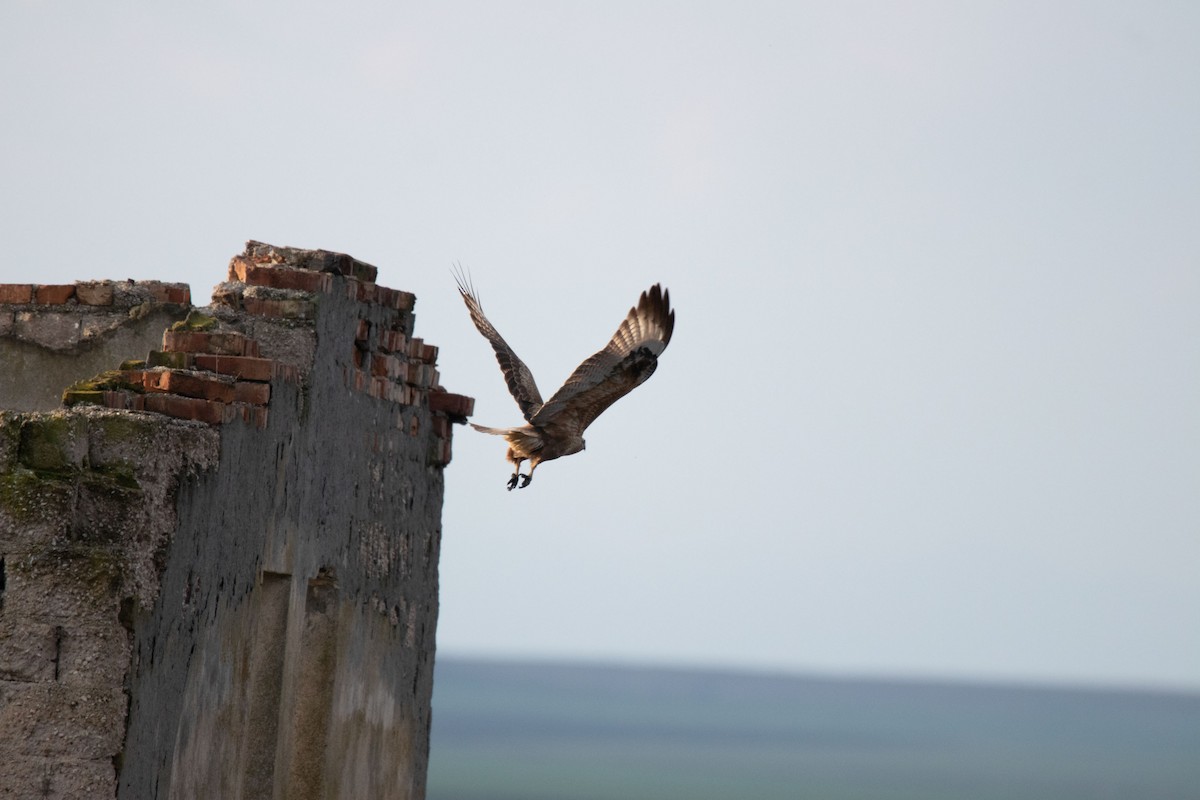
(556, 426)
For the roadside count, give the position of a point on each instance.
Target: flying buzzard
(556, 426)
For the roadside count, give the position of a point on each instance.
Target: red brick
(16, 292)
(186, 408)
(129, 401)
(387, 366)
(361, 271)
(94, 293)
(155, 380)
(453, 405)
(134, 377)
(258, 394)
(280, 277)
(53, 295)
(210, 411)
(393, 342)
(254, 415)
(363, 331)
(362, 292)
(244, 367)
(395, 299)
(280, 309)
(421, 375)
(177, 293)
(189, 384)
(240, 266)
(225, 343)
(285, 372)
(380, 387)
(175, 360)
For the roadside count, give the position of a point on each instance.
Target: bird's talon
(525, 479)
(512, 482)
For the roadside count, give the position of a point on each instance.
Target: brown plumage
(556, 426)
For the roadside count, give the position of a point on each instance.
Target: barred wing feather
(629, 358)
(518, 377)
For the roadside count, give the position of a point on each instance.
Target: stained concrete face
(86, 505)
(237, 610)
(292, 649)
(45, 348)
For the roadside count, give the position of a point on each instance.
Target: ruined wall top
(259, 484)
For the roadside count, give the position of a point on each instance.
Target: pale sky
(932, 407)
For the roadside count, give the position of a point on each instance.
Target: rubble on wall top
(274, 281)
(315, 260)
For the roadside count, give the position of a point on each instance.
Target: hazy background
(933, 402)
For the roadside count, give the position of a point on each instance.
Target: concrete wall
(241, 603)
(52, 336)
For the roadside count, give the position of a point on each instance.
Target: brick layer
(245, 367)
(96, 293)
(16, 293)
(189, 384)
(224, 343)
(53, 295)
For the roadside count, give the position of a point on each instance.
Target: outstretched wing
(520, 380)
(630, 357)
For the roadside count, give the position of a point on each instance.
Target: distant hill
(547, 731)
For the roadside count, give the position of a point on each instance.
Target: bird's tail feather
(523, 438)
(494, 431)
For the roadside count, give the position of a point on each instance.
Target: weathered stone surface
(10, 439)
(53, 442)
(50, 329)
(27, 650)
(94, 326)
(57, 778)
(88, 720)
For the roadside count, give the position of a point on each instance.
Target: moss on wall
(29, 496)
(195, 321)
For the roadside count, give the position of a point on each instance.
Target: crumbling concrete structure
(218, 563)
